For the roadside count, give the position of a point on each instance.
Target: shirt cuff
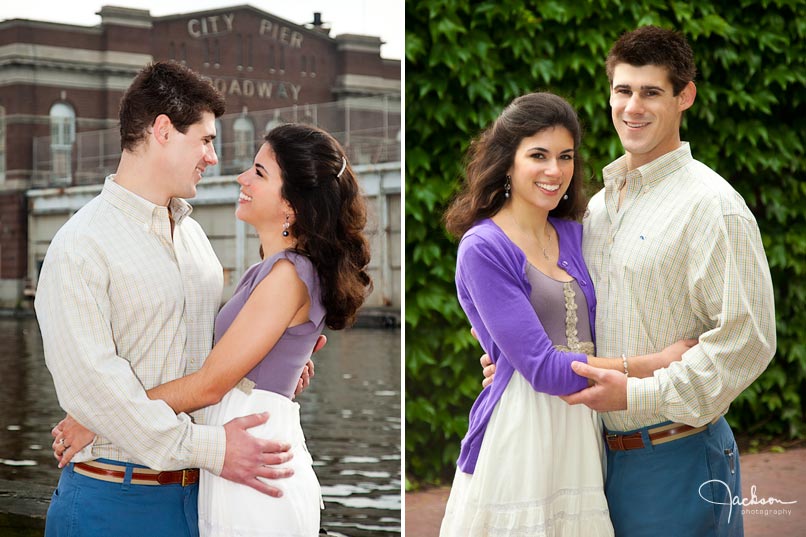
(85, 454)
(209, 448)
(643, 395)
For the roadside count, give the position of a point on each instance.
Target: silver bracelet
(624, 362)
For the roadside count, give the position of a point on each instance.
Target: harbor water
(350, 415)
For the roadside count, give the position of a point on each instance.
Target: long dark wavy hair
(330, 216)
(492, 154)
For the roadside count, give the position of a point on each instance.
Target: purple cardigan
(494, 293)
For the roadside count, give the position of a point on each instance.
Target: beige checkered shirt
(124, 307)
(682, 258)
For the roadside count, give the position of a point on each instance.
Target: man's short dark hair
(650, 45)
(165, 88)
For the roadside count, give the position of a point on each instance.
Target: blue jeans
(85, 507)
(683, 487)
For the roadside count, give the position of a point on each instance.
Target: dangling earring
(286, 225)
(507, 186)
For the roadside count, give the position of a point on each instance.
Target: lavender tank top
(281, 368)
(562, 310)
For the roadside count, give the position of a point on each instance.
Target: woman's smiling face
(542, 169)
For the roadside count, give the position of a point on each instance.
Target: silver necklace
(548, 241)
(539, 242)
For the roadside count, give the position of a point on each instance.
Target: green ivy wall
(465, 60)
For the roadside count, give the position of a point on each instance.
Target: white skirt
(539, 472)
(231, 509)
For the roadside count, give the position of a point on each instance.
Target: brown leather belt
(140, 476)
(657, 436)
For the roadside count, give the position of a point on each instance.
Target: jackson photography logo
(769, 505)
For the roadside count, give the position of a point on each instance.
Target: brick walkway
(775, 475)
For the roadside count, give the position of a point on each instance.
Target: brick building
(60, 86)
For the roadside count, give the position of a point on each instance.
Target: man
(126, 300)
(674, 253)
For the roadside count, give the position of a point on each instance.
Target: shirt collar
(180, 209)
(140, 209)
(651, 172)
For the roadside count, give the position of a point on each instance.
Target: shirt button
(583, 282)
(565, 263)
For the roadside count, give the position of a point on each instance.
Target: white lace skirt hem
(539, 472)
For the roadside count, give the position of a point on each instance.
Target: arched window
(244, 138)
(2, 143)
(62, 136)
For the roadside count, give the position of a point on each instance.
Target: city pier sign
(226, 23)
(215, 25)
(264, 89)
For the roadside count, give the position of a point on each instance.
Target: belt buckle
(617, 439)
(186, 478)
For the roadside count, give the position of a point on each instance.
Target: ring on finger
(61, 440)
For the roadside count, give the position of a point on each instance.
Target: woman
(530, 464)
(304, 202)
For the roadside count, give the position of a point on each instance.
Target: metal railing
(368, 128)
